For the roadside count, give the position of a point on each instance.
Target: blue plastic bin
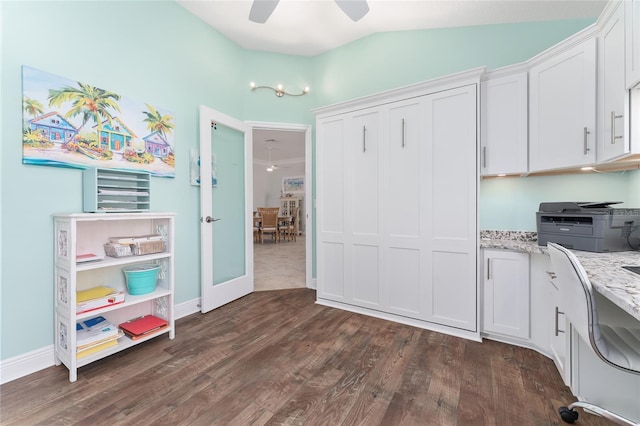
(141, 279)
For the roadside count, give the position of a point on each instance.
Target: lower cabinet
(506, 293)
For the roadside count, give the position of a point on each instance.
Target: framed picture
(292, 185)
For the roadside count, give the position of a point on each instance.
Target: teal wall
(160, 54)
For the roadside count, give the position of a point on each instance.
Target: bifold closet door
(403, 210)
(451, 195)
(363, 259)
(330, 187)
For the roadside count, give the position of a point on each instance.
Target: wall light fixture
(280, 92)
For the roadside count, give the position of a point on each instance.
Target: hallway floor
(280, 265)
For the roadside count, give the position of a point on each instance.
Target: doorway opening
(282, 178)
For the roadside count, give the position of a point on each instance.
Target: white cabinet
(506, 293)
(78, 234)
(562, 109)
(504, 128)
(560, 332)
(612, 137)
(392, 238)
(632, 42)
(288, 206)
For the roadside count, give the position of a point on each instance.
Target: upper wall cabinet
(613, 140)
(562, 109)
(504, 118)
(632, 28)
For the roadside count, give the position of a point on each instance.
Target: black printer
(588, 226)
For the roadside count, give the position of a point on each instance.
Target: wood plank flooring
(275, 357)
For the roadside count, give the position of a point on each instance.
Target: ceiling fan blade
(261, 10)
(355, 9)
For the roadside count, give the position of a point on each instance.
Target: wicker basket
(117, 250)
(147, 247)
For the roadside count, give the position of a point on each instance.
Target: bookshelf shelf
(81, 233)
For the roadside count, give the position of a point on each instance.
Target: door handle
(209, 219)
(614, 117)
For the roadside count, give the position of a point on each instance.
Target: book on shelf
(97, 348)
(96, 298)
(88, 257)
(137, 328)
(94, 330)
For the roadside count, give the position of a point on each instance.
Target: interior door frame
(235, 288)
(308, 190)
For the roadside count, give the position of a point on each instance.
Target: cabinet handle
(488, 268)
(551, 274)
(484, 157)
(558, 312)
(364, 138)
(586, 140)
(613, 127)
(403, 133)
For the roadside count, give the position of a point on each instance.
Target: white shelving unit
(82, 233)
(108, 190)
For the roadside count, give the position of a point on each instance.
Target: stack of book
(143, 326)
(95, 334)
(96, 298)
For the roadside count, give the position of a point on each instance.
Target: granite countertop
(604, 270)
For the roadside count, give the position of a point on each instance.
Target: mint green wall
(512, 203)
(159, 53)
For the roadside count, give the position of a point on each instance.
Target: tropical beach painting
(72, 124)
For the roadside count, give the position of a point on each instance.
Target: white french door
(226, 226)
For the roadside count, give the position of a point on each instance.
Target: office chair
(616, 346)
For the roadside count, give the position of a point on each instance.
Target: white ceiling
(287, 147)
(310, 27)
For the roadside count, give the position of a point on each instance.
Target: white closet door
(402, 286)
(364, 259)
(451, 159)
(330, 186)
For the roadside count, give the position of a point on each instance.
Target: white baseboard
(25, 364)
(22, 365)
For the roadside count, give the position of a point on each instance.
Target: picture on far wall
(292, 185)
(72, 124)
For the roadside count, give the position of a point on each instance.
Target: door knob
(209, 219)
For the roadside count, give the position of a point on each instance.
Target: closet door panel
(366, 277)
(331, 179)
(452, 137)
(364, 146)
(331, 269)
(403, 282)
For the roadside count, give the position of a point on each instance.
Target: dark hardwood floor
(276, 357)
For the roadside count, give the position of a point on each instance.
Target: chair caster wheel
(568, 415)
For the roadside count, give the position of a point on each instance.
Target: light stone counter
(605, 271)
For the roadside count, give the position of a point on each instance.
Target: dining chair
(290, 227)
(269, 222)
(614, 345)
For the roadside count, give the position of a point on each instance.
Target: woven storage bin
(147, 247)
(117, 250)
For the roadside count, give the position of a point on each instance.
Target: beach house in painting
(54, 127)
(156, 144)
(115, 136)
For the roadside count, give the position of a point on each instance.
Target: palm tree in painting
(92, 103)
(32, 107)
(157, 122)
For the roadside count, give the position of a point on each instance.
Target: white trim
(25, 364)
(308, 185)
(186, 308)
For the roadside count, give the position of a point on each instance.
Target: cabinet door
(330, 187)
(364, 210)
(559, 335)
(401, 291)
(563, 109)
(611, 89)
(632, 42)
(506, 293)
(450, 201)
(504, 131)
